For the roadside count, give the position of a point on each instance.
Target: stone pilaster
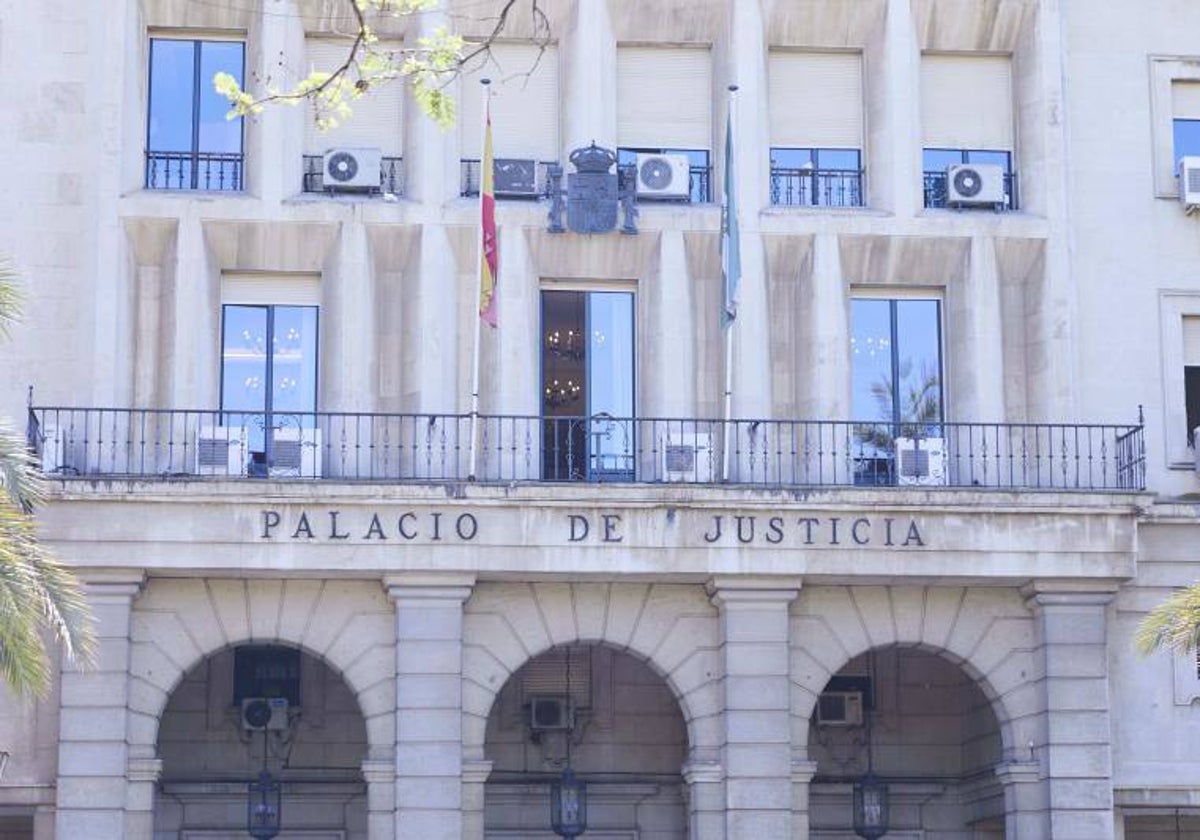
(474, 778)
(1024, 798)
(143, 775)
(94, 786)
(1075, 752)
(429, 763)
(803, 771)
(380, 777)
(757, 756)
(705, 798)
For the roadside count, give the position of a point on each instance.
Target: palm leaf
(1173, 625)
(10, 296)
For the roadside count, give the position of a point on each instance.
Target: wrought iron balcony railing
(938, 196)
(513, 177)
(817, 187)
(140, 443)
(220, 171)
(391, 175)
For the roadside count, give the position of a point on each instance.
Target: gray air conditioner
(221, 450)
(515, 178)
(1195, 447)
(1189, 183)
(663, 176)
(547, 714)
(920, 461)
(351, 169)
(840, 708)
(975, 185)
(688, 457)
(295, 453)
(270, 713)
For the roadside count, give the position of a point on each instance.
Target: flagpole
(730, 206)
(483, 127)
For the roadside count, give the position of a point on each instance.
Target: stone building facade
(957, 474)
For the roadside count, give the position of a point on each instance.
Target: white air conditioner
(550, 714)
(662, 176)
(1189, 183)
(920, 461)
(1195, 448)
(53, 450)
(975, 185)
(295, 453)
(270, 713)
(688, 457)
(221, 450)
(515, 177)
(351, 169)
(840, 708)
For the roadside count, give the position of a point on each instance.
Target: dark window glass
(588, 385)
(896, 373)
(1191, 386)
(268, 371)
(1187, 138)
(190, 142)
(816, 177)
(701, 172)
(266, 671)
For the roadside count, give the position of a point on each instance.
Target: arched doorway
(623, 729)
(932, 736)
(314, 743)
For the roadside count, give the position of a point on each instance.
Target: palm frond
(11, 296)
(1173, 625)
(20, 480)
(23, 662)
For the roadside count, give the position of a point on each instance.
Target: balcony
(214, 171)
(391, 175)
(808, 187)
(512, 177)
(423, 448)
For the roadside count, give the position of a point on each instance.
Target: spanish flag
(489, 264)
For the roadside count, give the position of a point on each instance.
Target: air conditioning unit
(351, 169)
(920, 461)
(1195, 449)
(295, 453)
(688, 457)
(663, 176)
(547, 714)
(975, 185)
(221, 450)
(53, 450)
(1189, 183)
(840, 708)
(515, 178)
(270, 713)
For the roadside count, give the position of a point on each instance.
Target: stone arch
(177, 623)
(987, 632)
(672, 627)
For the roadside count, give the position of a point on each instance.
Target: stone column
(803, 771)
(429, 762)
(143, 775)
(758, 742)
(431, 154)
(1075, 752)
(94, 791)
(589, 99)
(474, 778)
(974, 315)
(894, 116)
(1024, 802)
(380, 777)
(705, 798)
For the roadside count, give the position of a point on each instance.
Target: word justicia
(815, 530)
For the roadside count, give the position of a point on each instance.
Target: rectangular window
(377, 121)
(816, 128)
(664, 106)
(269, 385)
(1191, 373)
(1185, 102)
(896, 372)
(966, 117)
(190, 144)
(524, 105)
(588, 385)
(266, 671)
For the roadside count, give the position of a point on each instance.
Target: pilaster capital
(803, 770)
(1040, 594)
(142, 769)
(376, 771)
(429, 586)
(1018, 772)
(726, 591)
(113, 583)
(476, 772)
(702, 772)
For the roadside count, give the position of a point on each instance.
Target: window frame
(197, 40)
(1174, 306)
(1165, 71)
(1010, 173)
(698, 186)
(815, 157)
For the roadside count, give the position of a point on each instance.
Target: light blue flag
(731, 251)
